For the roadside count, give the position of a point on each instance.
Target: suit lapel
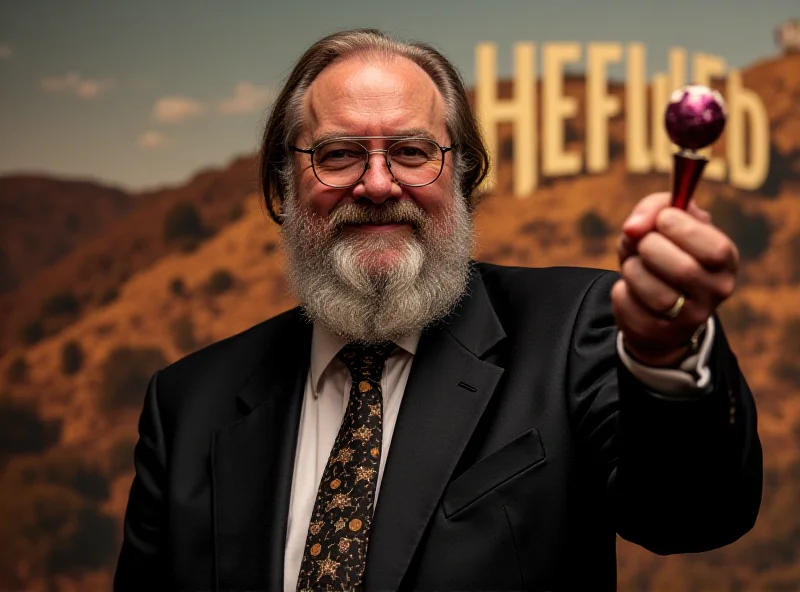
(253, 462)
(436, 419)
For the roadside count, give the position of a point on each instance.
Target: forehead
(375, 97)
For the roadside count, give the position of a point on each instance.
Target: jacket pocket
(522, 453)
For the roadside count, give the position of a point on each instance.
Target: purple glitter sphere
(695, 117)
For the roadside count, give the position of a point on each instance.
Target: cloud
(247, 98)
(5, 51)
(151, 139)
(176, 108)
(74, 83)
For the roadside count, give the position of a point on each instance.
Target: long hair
(286, 118)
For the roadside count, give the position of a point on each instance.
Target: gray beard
(334, 275)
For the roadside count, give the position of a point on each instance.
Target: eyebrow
(415, 132)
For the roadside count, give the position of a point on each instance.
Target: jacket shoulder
(557, 279)
(230, 357)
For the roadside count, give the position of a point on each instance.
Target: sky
(145, 93)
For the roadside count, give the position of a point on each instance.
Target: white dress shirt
(325, 399)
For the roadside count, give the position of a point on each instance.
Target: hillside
(125, 246)
(42, 219)
(77, 392)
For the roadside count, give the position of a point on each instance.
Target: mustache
(390, 212)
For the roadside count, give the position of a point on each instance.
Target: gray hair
(470, 157)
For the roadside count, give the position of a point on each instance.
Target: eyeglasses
(341, 162)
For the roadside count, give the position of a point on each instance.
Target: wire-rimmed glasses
(341, 162)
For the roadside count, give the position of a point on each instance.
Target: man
(423, 421)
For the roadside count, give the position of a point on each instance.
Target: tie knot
(360, 358)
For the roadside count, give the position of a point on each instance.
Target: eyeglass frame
(355, 139)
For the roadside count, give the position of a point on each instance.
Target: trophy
(694, 119)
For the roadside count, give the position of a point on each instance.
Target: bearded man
(423, 421)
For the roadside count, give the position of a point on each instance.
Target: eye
(339, 154)
(413, 153)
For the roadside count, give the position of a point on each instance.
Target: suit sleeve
(142, 564)
(680, 474)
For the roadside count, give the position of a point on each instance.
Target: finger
(643, 218)
(652, 293)
(626, 247)
(706, 243)
(639, 324)
(675, 267)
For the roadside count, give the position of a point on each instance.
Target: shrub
(790, 339)
(591, 226)
(32, 332)
(56, 530)
(63, 304)
(236, 212)
(58, 467)
(177, 287)
(120, 456)
(739, 317)
(17, 371)
(793, 258)
(125, 374)
(108, 296)
(72, 358)
(219, 282)
(750, 232)
(22, 430)
(183, 226)
(182, 330)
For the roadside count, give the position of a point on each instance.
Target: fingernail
(633, 220)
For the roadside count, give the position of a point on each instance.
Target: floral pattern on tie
(336, 547)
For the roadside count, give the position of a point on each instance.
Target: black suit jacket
(522, 447)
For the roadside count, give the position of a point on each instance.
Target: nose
(377, 184)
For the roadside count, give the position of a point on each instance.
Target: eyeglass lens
(413, 162)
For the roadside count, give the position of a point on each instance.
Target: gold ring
(673, 312)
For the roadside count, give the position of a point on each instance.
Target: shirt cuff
(691, 377)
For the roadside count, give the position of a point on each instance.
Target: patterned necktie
(336, 547)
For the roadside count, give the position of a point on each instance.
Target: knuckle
(688, 271)
(721, 253)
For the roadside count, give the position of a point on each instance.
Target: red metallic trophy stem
(687, 170)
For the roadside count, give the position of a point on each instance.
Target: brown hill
(42, 219)
(91, 274)
(89, 377)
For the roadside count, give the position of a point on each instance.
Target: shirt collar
(325, 345)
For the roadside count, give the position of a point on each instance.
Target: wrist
(659, 357)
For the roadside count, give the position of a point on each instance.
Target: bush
(23, 431)
(55, 530)
(63, 304)
(72, 358)
(591, 226)
(236, 212)
(32, 333)
(787, 371)
(17, 371)
(177, 287)
(219, 282)
(183, 226)
(739, 317)
(793, 257)
(120, 456)
(58, 467)
(108, 296)
(125, 374)
(750, 232)
(182, 330)
(790, 340)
